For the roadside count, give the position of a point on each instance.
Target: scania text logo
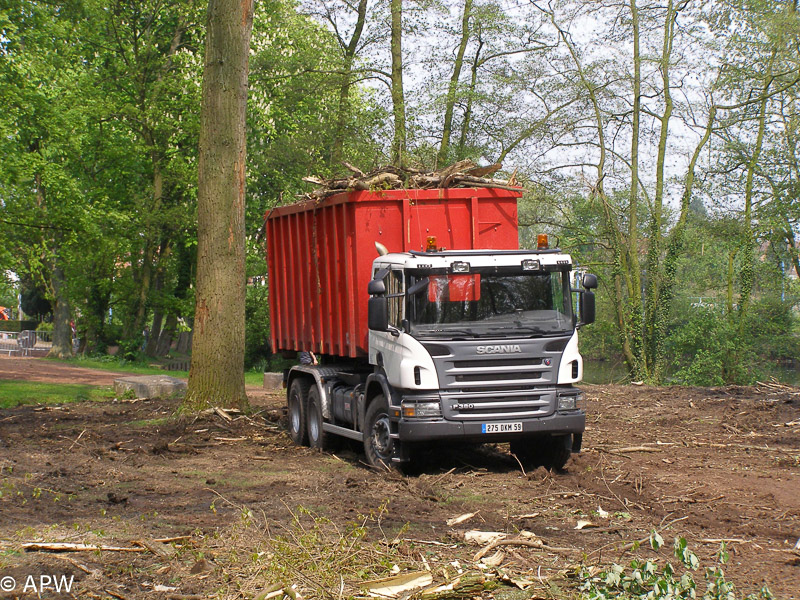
(502, 349)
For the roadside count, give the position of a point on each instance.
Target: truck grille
(480, 387)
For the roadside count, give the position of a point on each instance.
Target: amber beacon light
(542, 242)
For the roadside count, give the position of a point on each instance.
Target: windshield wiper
(526, 329)
(466, 332)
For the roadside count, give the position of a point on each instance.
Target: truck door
(386, 348)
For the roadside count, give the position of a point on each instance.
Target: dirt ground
(707, 464)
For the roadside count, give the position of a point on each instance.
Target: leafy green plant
(652, 580)
(256, 325)
(708, 349)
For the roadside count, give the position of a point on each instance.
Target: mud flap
(400, 452)
(577, 439)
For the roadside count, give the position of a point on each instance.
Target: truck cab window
(488, 304)
(394, 295)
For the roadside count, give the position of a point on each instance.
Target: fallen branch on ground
(67, 547)
(530, 542)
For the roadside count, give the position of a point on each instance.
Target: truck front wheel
(549, 451)
(297, 398)
(378, 444)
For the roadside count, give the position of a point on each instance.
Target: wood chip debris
(392, 587)
(479, 538)
(495, 560)
(460, 518)
(462, 174)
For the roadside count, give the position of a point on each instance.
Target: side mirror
(590, 281)
(378, 312)
(376, 287)
(587, 307)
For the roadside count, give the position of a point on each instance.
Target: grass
(119, 366)
(251, 377)
(16, 393)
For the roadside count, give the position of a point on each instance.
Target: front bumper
(419, 430)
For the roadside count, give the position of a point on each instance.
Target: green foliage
(8, 288)
(707, 349)
(652, 580)
(257, 348)
(772, 329)
(15, 325)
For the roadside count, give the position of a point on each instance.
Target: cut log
(484, 171)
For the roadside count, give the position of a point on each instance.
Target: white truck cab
(477, 345)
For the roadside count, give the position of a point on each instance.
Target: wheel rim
(294, 414)
(313, 424)
(381, 440)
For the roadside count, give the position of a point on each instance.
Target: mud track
(704, 463)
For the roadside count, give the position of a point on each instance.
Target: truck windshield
(493, 305)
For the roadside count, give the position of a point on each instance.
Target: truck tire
(317, 436)
(378, 446)
(297, 399)
(549, 451)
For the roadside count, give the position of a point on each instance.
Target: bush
(771, 328)
(708, 350)
(16, 326)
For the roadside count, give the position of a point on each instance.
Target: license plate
(501, 427)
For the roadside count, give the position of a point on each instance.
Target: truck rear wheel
(378, 444)
(297, 399)
(549, 451)
(317, 436)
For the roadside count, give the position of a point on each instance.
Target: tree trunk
(633, 279)
(184, 342)
(655, 329)
(166, 336)
(150, 348)
(216, 376)
(398, 98)
(158, 319)
(450, 102)
(466, 120)
(674, 250)
(748, 243)
(343, 113)
(62, 330)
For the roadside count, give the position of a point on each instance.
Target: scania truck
(429, 323)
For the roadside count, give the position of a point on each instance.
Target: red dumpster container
(319, 255)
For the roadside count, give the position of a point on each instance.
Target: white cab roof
(476, 258)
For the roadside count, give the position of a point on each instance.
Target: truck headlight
(530, 265)
(421, 409)
(571, 401)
